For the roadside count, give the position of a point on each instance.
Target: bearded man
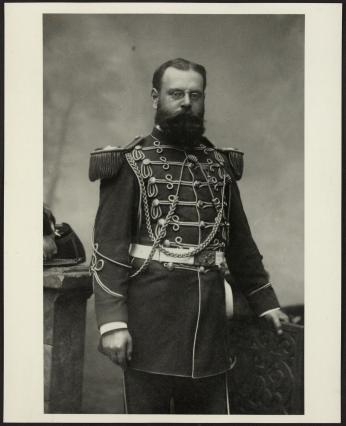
(170, 219)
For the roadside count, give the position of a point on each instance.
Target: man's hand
(117, 345)
(276, 318)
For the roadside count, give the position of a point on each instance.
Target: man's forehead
(174, 77)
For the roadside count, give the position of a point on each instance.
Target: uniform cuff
(267, 312)
(110, 326)
(263, 299)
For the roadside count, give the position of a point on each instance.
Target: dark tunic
(175, 312)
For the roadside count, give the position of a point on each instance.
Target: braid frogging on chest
(167, 184)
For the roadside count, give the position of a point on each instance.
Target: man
(170, 216)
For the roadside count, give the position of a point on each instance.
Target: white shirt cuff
(109, 326)
(269, 310)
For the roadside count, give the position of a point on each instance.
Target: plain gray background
(97, 81)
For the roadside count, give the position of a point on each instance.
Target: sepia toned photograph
(186, 159)
(173, 245)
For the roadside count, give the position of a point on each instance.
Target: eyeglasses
(177, 95)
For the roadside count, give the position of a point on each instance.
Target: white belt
(214, 258)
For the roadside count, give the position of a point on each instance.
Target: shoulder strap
(106, 162)
(235, 161)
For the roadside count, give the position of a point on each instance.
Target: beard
(183, 128)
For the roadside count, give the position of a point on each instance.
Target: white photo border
(23, 290)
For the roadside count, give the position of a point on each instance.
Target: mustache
(183, 124)
(185, 114)
(182, 119)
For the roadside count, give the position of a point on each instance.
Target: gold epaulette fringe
(235, 159)
(106, 162)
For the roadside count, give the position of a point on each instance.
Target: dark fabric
(171, 331)
(146, 393)
(176, 317)
(244, 259)
(115, 220)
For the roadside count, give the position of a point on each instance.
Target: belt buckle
(205, 258)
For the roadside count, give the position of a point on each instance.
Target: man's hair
(180, 64)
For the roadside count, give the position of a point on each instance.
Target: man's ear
(154, 97)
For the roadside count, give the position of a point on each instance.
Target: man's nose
(187, 100)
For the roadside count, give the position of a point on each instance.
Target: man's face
(180, 105)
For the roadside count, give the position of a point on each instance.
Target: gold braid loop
(170, 213)
(137, 172)
(157, 241)
(162, 233)
(207, 241)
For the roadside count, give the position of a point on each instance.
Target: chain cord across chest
(161, 234)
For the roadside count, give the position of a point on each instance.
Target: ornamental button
(202, 224)
(170, 266)
(156, 202)
(196, 183)
(152, 179)
(200, 203)
(161, 221)
(166, 243)
(146, 161)
(201, 269)
(138, 147)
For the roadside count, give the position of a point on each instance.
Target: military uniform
(168, 221)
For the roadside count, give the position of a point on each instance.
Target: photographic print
(103, 86)
(185, 160)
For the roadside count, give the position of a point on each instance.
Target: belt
(204, 258)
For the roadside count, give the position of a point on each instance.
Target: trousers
(147, 393)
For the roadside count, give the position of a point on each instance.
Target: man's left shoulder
(233, 157)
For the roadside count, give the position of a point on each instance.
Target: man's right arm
(114, 225)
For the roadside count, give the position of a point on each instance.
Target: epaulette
(235, 160)
(106, 162)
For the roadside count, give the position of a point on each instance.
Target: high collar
(158, 133)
